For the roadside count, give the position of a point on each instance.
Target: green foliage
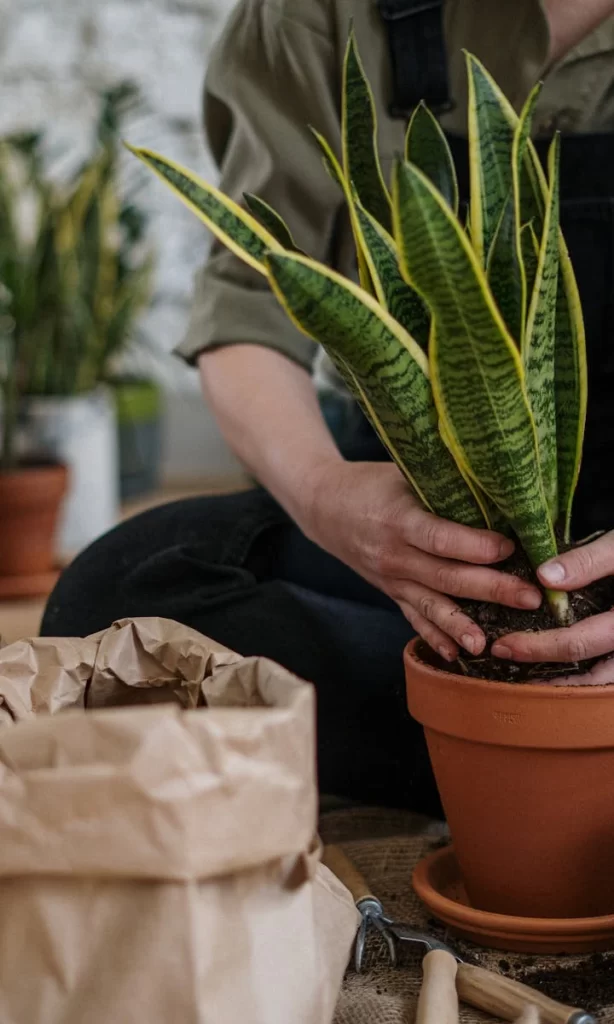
(75, 269)
(361, 164)
(389, 369)
(427, 147)
(464, 342)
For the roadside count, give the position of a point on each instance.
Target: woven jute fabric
(386, 845)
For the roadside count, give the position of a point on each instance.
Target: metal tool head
(581, 1018)
(372, 914)
(392, 931)
(403, 933)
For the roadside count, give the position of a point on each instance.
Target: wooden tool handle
(505, 998)
(438, 1002)
(529, 1016)
(340, 864)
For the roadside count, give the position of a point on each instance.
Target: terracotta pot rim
(495, 687)
(47, 467)
(487, 922)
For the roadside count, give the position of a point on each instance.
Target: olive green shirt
(277, 69)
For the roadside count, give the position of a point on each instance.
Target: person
(330, 565)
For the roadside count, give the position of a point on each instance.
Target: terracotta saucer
(437, 882)
(38, 584)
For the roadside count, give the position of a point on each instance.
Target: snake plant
(463, 341)
(72, 287)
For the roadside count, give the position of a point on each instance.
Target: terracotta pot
(526, 777)
(29, 503)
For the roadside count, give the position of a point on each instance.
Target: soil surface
(496, 621)
(586, 982)
(589, 985)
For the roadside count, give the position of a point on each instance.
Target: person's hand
(590, 638)
(365, 515)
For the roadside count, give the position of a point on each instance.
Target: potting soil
(496, 620)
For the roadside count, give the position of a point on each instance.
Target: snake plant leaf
(522, 207)
(492, 515)
(570, 348)
(271, 220)
(388, 368)
(529, 246)
(571, 389)
(539, 351)
(335, 171)
(385, 422)
(427, 147)
(491, 138)
(570, 375)
(384, 425)
(570, 371)
(476, 371)
(506, 273)
(361, 164)
(235, 227)
(392, 291)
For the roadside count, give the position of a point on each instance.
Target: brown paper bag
(157, 864)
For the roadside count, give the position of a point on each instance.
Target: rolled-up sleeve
(273, 73)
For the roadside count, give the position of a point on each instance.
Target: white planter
(82, 433)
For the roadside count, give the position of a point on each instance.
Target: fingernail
(529, 599)
(501, 651)
(470, 643)
(552, 572)
(445, 653)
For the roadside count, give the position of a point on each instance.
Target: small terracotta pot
(29, 503)
(526, 777)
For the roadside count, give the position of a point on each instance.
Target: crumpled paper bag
(158, 863)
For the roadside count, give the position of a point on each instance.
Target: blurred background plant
(75, 268)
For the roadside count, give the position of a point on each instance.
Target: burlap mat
(386, 845)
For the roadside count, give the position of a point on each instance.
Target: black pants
(235, 568)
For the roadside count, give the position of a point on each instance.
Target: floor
(20, 619)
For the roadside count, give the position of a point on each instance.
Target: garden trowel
(446, 977)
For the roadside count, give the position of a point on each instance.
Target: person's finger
(451, 540)
(587, 639)
(601, 674)
(442, 612)
(434, 637)
(462, 579)
(580, 566)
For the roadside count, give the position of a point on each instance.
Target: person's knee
(84, 599)
(131, 570)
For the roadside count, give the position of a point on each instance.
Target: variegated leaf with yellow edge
(361, 163)
(390, 371)
(337, 174)
(520, 185)
(235, 227)
(271, 221)
(427, 147)
(490, 166)
(506, 274)
(539, 349)
(392, 291)
(477, 375)
(571, 389)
